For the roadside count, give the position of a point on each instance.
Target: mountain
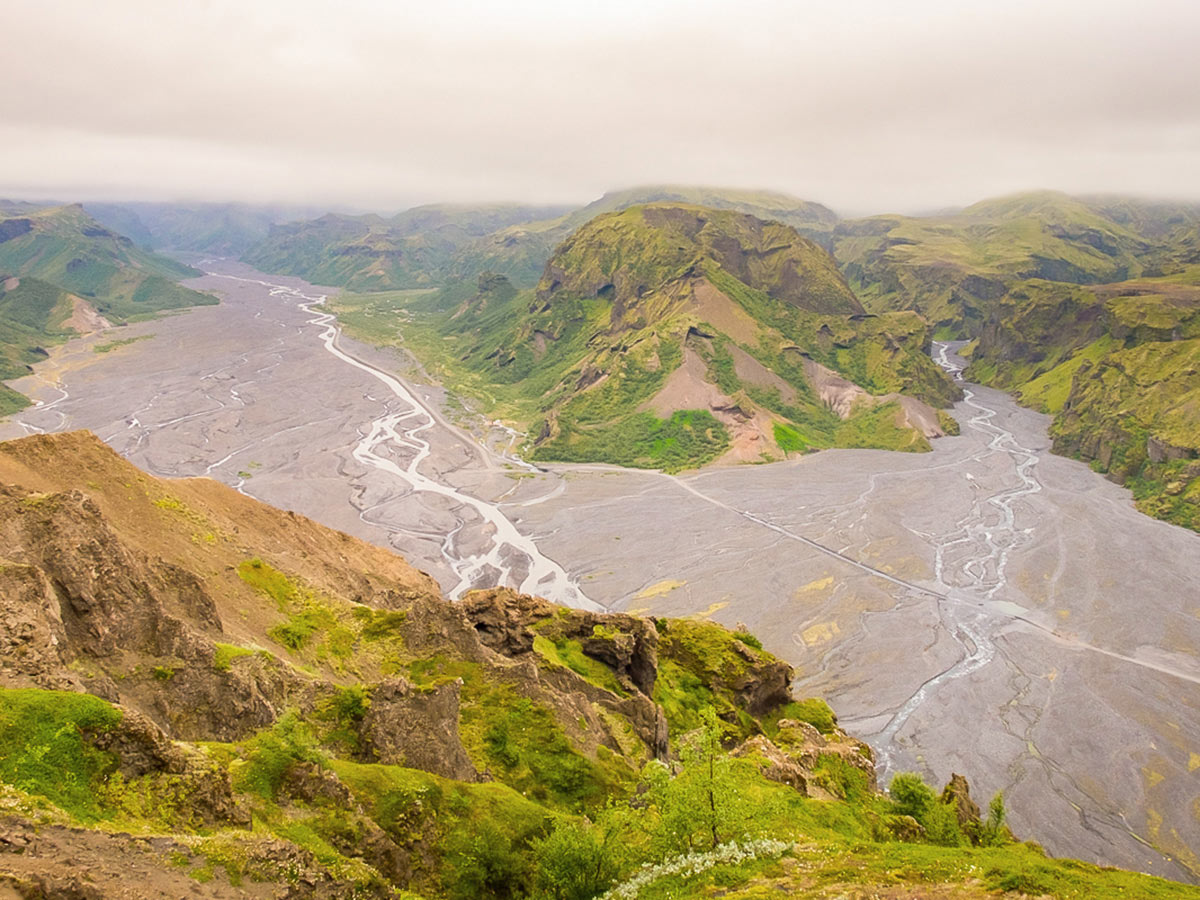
(769, 205)
(671, 335)
(428, 245)
(950, 268)
(226, 700)
(1118, 366)
(63, 273)
(223, 229)
(416, 248)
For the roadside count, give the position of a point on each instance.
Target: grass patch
(567, 653)
(110, 346)
(44, 748)
(225, 654)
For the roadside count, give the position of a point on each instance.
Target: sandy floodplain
(987, 608)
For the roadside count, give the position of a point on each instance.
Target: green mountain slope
(68, 248)
(62, 273)
(425, 246)
(228, 700)
(769, 205)
(1118, 365)
(669, 335)
(416, 248)
(951, 267)
(224, 229)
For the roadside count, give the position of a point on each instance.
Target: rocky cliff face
(202, 696)
(203, 616)
(1116, 365)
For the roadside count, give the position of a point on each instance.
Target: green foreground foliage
(489, 841)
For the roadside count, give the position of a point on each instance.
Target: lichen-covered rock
(957, 794)
(416, 727)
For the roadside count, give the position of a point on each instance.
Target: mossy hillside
(1116, 365)
(417, 248)
(576, 360)
(68, 249)
(50, 256)
(32, 313)
(487, 840)
(636, 252)
(430, 245)
(1136, 413)
(951, 268)
(316, 629)
(44, 748)
(519, 740)
(880, 353)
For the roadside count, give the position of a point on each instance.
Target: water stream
(395, 443)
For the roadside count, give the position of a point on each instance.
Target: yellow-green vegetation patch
(109, 346)
(697, 663)
(43, 750)
(567, 653)
(519, 740)
(813, 710)
(324, 629)
(1049, 391)
(225, 654)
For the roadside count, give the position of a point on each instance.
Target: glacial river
(987, 608)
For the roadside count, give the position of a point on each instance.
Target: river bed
(987, 608)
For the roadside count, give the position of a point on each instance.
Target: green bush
(911, 796)
(44, 747)
(485, 863)
(576, 861)
(271, 753)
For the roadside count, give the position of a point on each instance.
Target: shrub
(576, 861)
(484, 863)
(44, 748)
(271, 753)
(911, 796)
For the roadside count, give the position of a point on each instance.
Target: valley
(985, 608)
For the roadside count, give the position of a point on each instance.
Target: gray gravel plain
(987, 608)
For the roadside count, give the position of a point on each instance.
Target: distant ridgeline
(670, 335)
(1088, 309)
(62, 273)
(232, 701)
(619, 332)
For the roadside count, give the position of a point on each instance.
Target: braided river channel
(987, 608)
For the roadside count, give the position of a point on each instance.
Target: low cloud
(866, 106)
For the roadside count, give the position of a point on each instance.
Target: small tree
(702, 806)
(577, 860)
(911, 796)
(995, 832)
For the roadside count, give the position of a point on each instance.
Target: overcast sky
(865, 105)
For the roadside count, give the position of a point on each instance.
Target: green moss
(381, 624)
(519, 740)
(225, 654)
(45, 747)
(789, 439)
(300, 627)
(813, 710)
(687, 439)
(270, 581)
(271, 753)
(569, 654)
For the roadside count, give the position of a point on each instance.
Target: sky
(865, 105)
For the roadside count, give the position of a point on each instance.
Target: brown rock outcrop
(417, 727)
